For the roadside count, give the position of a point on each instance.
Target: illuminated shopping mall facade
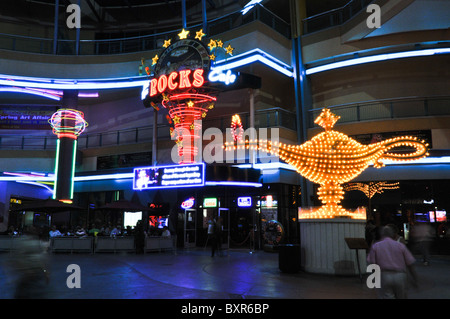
(292, 59)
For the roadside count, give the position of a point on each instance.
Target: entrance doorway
(190, 227)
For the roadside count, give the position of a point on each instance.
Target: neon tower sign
(182, 82)
(67, 125)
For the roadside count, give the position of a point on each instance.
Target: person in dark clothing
(29, 266)
(139, 237)
(212, 235)
(217, 238)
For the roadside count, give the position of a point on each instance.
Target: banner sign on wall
(25, 117)
(173, 176)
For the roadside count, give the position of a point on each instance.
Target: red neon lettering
(69, 135)
(162, 83)
(153, 84)
(171, 85)
(198, 78)
(184, 79)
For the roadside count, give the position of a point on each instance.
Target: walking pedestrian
(423, 235)
(394, 260)
(218, 237)
(212, 235)
(29, 266)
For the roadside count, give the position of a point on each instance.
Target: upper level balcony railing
(387, 109)
(141, 43)
(334, 17)
(275, 117)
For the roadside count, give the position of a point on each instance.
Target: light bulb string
(420, 146)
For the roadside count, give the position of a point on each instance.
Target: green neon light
(73, 167)
(56, 168)
(210, 202)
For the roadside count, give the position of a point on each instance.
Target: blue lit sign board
(174, 176)
(219, 76)
(244, 201)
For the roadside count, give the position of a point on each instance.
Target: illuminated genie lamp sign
(174, 176)
(183, 81)
(332, 158)
(67, 125)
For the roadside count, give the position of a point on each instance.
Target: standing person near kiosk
(218, 235)
(212, 235)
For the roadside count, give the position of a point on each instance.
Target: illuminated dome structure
(332, 158)
(68, 123)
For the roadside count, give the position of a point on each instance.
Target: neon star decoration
(166, 43)
(229, 50)
(155, 59)
(212, 44)
(183, 34)
(199, 34)
(332, 158)
(216, 45)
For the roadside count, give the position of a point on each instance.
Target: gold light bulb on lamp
(370, 189)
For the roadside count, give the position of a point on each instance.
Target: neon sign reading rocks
(176, 80)
(186, 79)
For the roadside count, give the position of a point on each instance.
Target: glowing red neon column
(186, 111)
(67, 124)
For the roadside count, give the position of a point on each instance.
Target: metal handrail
(385, 109)
(274, 117)
(413, 46)
(334, 17)
(138, 43)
